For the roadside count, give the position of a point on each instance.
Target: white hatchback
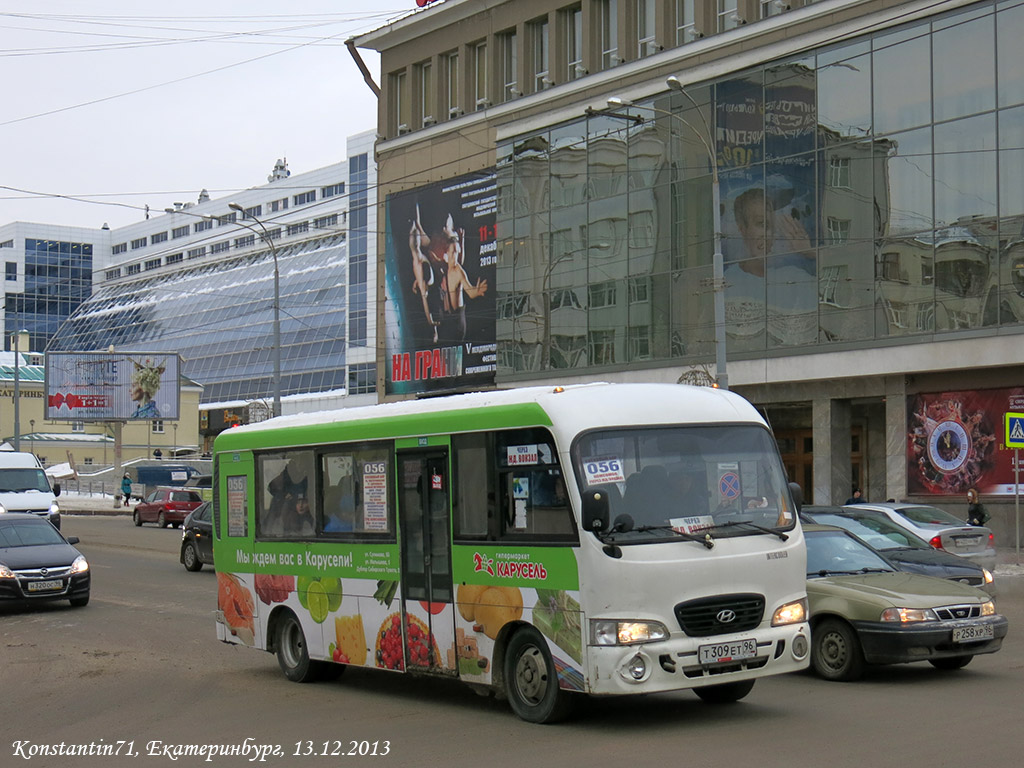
(942, 530)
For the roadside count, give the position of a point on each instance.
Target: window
(246, 241)
(274, 234)
(773, 7)
(838, 230)
(112, 274)
(480, 81)
(839, 172)
(538, 31)
(574, 44)
(287, 504)
(639, 290)
(11, 270)
(227, 218)
(509, 486)
(202, 226)
(119, 248)
(152, 264)
(179, 232)
(157, 426)
(601, 346)
(399, 94)
(253, 212)
(640, 342)
(451, 64)
(426, 82)
(195, 253)
(220, 247)
(7, 244)
(298, 229)
(685, 30)
(362, 379)
(829, 282)
(645, 37)
(332, 190)
(728, 15)
(78, 426)
(608, 29)
(602, 294)
(133, 269)
(304, 198)
(174, 258)
(325, 222)
(158, 237)
(139, 242)
(278, 205)
(355, 492)
(509, 62)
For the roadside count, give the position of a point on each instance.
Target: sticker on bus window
(692, 524)
(375, 496)
(521, 488)
(518, 455)
(601, 470)
(237, 505)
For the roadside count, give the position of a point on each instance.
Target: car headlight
(6, 573)
(80, 565)
(988, 609)
(989, 578)
(54, 507)
(906, 615)
(790, 613)
(626, 631)
(3, 510)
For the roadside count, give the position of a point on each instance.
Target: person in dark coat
(976, 512)
(126, 488)
(857, 498)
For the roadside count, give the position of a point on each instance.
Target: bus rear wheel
(292, 653)
(531, 680)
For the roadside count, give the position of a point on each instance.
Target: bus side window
(473, 501)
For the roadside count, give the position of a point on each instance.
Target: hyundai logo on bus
(725, 616)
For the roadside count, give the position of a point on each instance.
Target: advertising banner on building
(440, 264)
(955, 441)
(104, 386)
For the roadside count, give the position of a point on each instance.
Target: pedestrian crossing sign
(1015, 430)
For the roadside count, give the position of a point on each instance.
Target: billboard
(955, 441)
(440, 263)
(109, 386)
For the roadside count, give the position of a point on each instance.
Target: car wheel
(836, 652)
(161, 520)
(79, 602)
(292, 654)
(190, 557)
(951, 662)
(175, 525)
(531, 681)
(725, 693)
(137, 518)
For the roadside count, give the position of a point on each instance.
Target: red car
(167, 505)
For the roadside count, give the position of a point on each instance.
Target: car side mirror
(595, 510)
(56, 489)
(72, 540)
(798, 496)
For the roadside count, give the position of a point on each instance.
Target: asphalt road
(141, 664)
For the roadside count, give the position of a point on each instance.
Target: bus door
(428, 610)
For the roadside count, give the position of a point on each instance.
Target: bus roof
(574, 408)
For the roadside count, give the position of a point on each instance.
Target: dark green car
(864, 611)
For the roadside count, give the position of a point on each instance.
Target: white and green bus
(540, 543)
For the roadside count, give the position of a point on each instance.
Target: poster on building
(108, 386)
(955, 441)
(440, 264)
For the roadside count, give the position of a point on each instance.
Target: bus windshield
(726, 480)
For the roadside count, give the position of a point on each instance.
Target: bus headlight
(790, 613)
(626, 632)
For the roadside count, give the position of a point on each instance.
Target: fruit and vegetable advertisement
(955, 441)
(495, 587)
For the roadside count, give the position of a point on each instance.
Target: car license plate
(968, 541)
(45, 586)
(720, 653)
(973, 634)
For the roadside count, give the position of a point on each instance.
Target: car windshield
(666, 483)
(880, 532)
(831, 553)
(926, 515)
(28, 533)
(21, 479)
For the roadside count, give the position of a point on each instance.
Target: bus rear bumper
(675, 665)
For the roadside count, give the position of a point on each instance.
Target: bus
(541, 543)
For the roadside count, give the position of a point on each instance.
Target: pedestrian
(857, 497)
(976, 512)
(126, 488)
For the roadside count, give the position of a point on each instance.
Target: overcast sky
(126, 103)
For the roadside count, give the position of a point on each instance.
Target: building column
(895, 437)
(830, 422)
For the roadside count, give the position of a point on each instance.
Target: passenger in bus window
(343, 519)
(299, 522)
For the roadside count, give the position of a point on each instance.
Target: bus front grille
(720, 615)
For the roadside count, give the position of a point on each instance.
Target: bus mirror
(595, 510)
(798, 495)
(56, 489)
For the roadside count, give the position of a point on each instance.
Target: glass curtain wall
(870, 191)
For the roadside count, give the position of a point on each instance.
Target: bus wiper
(763, 529)
(706, 539)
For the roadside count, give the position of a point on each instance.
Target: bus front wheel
(531, 681)
(725, 693)
(292, 653)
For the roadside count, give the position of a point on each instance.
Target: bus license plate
(720, 653)
(973, 634)
(44, 586)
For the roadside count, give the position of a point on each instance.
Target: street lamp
(264, 235)
(717, 262)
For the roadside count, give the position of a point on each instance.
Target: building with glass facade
(865, 160)
(201, 280)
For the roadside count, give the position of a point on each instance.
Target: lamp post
(15, 345)
(717, 261)
(264, 235)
